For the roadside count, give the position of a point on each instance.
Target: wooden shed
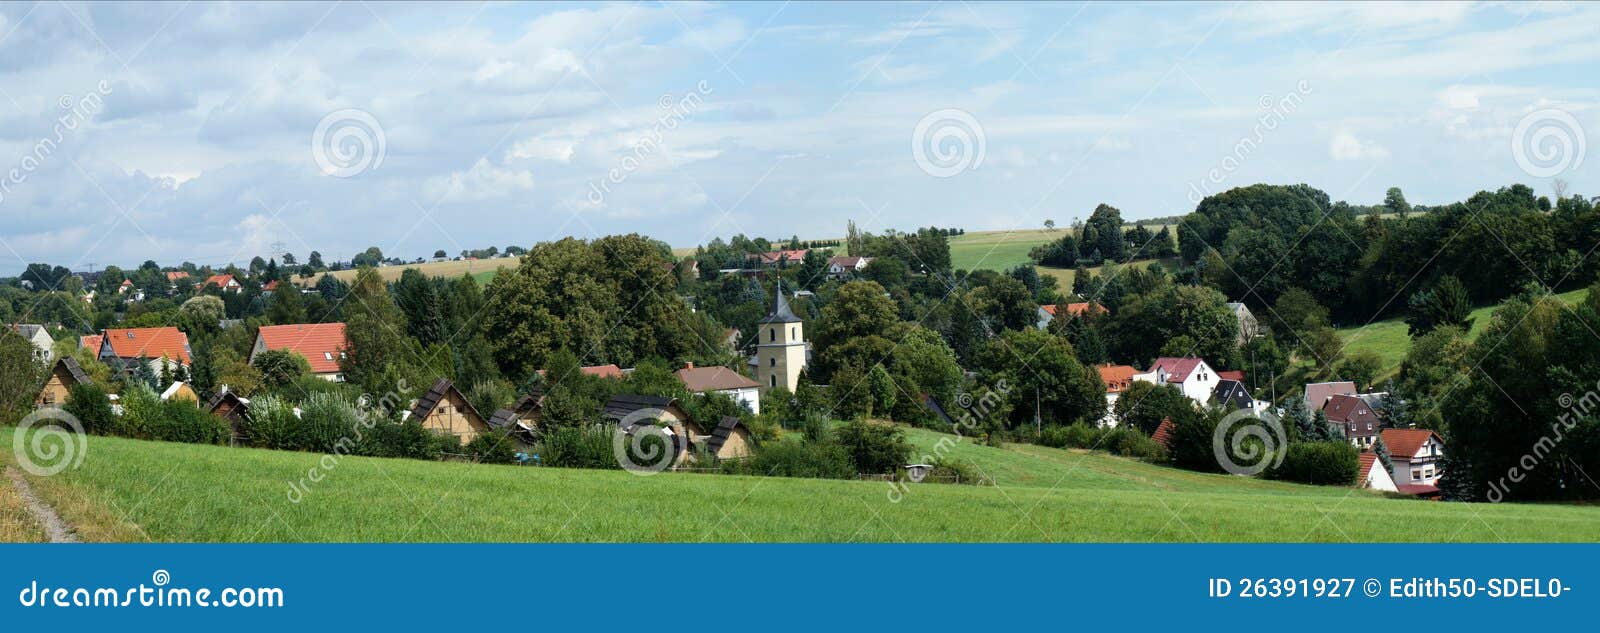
(445, 410)
(730, 440)
(629, 411)
(63, 376)
(230, 407)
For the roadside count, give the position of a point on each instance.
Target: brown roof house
(1317, 393)
(730, 440)
(632, 412)
(1415, 454)
(443, 409)
(722, 380)
(233, 409)
(63, 376)
(1354, 418)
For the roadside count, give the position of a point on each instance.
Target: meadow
(1388, 338)
(130, 490)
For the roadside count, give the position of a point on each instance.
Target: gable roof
(72, 368)
(174, 275)
(271, 286)
(602, 371)
(221, 280)
(30, 330)
(1163, 434)
(1346, 409)
(1232, 374)
(1178, 369)
(320, 343)
(91, 341)
(226, 395)
(623, 404)
(1116, 377)
(717, 378)
(1074, 309)
(791, 255)
(440, 390)
(1407, 442)
(1317, 393)
(149, 342)
(720, 435)
(848, 262)
(1233, 394)
(1364, 463)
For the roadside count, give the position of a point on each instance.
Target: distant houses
(321, 344)
(724, 381)
(1047, 313)
(1416, 454)
(1318, 393)
(43, 343)
(162, 348)
(847, 267)
(223, 281)
(779, 258)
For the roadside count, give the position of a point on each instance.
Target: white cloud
(483, 182)
(1346, 146)
(1459, 98)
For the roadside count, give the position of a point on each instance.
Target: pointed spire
(780, 309)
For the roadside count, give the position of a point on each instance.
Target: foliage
(874, 447)
(493, 447)
(1329, 463)
(21, 374)
(1043, 376)
(1445, 304)
(280, 367)
(803, 458)
(89, 404)
(1361, 367)
(1143, 405)
(578, 447)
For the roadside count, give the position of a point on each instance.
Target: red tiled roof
(1236, 375)
(174, 275)
(150, 342)
(602, 371)
(1116, 377)
(320, 343)
(1163, 434)
(220, 280)
(702, 379)
(1074, 309)
(91, 341)
(794, 256)
(1317, 393)
(1364, 463)
(1406, 442)
(1178, 369)
(271, 286)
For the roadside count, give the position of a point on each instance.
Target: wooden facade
(730, 440)
(443, 409)
(63, 375)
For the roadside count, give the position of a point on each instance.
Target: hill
(1390, 341)
(482, 269)
(136, 490)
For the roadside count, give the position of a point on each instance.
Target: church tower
(780, 347)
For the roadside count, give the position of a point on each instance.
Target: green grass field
(135, 490)
(1390, 341)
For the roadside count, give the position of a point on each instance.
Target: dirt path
(54, 527)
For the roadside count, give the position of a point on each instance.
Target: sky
(213, 133)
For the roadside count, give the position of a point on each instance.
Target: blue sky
(505, 124)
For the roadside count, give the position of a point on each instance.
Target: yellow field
(482, 269)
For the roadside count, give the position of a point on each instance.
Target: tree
(1143, 405)
(418, 297)
(1300, 422)
(285, 307)
(1361, 367)
(1395, 202)
(1103, 231)
(1043, 376)
(21, 373)
(280, 367)
(373, 256)
(1446, 303)
(874, 447)
(1382, 450)
(374, 334)
(1049, 225)
(440, 254)
(882, 388)
(314, 260)
(234, 372)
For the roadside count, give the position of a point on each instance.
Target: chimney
(688, 365)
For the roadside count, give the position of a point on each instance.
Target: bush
(182, 421)
(874, 447)
(494, 447)
(400, 439)
(271, 423)
(814, 459)
(141, 409)
(90, 405)
(947, 469)
(578, 447)
(1332, 463)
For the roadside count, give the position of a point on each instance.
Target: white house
(1192, 376)
(842, 267)
(1249, 328)
(722, 380)
(1371, 474)
(40, 337)
(1117, 379)
(1415, 454)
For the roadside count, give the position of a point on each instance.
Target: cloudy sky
(210, 132)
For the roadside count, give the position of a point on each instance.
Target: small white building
(1415, 454)
(1371, 474)
(722, 380)
(1196, 379)
(844, 267)
(41, 339)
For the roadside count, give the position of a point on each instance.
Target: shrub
(947, 469)
(1332, 463)
(328, 424)
(92, 407)
(141, 408)
(874, 447)
(815, 459)
(271, 423)
(1129, 442)
(494, 447)
(400, 439)
(578, 447)
(182, 421)
(280, 367)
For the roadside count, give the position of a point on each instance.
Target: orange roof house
(322, 344)
(91, 341)
(224, 281)
(149, 342)
(174, 275)
(1117, 377)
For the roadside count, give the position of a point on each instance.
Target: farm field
(483, 270)
(136, 490)
(1389, 339)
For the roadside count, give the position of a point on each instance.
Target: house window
(327, 355)
(791, 332)
(772, 362)
(1416, 475)
(772, 380)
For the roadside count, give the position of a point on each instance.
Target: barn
(444, 409)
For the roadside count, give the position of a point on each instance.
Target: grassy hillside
(483, 270)
(1390, 341)
(133, 490)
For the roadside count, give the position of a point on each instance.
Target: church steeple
(780, 310)
(780, 346)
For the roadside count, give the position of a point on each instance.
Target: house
(1249, 327)
(127, 284)
(1369, 474)
(1163, 433)
(232, 409)
(443, 409)
(602, 371)
(521, 417)
(158, 346)
(41, 339)
(730, 338)
(1231, 395)
(224, 281)
(269, 288)
(1317, 393)
(1235, 375)
(779, 258)
(629, 411)
(845, 267)
(722, 380)
(781, 348)
(91, 341)
(1415, 454)
(1354, 418)
(174, 276)
(64, 375)
(730, 440)
(1117, 379)
(321, 344)
(180, 391)
(1046, 313)
(1196, 379)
